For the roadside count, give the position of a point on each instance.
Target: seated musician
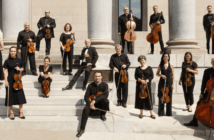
(45, 73)
(208, 74)
(100, 102)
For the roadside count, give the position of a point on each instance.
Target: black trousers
(31, 59)
(168, 106)
(79, 72)
(160, 41)
(68, 55)
(208, 32)
(40, 36)
(189, 98)
(129, 45)
(103, 104)
(122, 90)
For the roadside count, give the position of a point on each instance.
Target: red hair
(66, 25)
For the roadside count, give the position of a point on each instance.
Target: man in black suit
(207, 22)
(47, 23)
(122, 20)
(89, 58)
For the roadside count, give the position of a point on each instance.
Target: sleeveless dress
(168, 73)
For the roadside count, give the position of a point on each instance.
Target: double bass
(165, 93)
(17, 85)
(153, 36)
(143, 89)
(212, 31)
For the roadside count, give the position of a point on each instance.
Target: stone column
(100, 25)
(182, 14)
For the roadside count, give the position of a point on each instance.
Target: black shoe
(47, 54)
(103, 117)
(124, 105)
(79, 134)
(84, 88)
(153, 116)
(37, 50)
(192, 123)
(140, 116)
(22, 114)
(151, 53)
(13, 117)
(23, 73)
(1, 83)
(70, 73)
(118, 104)
(67, 87)
(34, 73)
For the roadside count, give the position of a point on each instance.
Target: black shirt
(207, 21)
(154, 19)
(191, 66)
(41, 69)
(116, 60)
(208, 74)
(64, 37)
(122, 20)
(23, 38)
(148, 74)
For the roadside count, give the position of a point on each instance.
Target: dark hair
(141, 57)
(185, 61)
(10, 50)
(98, 72)
(155, 6)
(66, 25)
(162, 61)
(209, 6)
(47, 58)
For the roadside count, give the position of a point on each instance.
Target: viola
(153, 37)
(143, 89)
(68, 44)
(165, 94)
(188, 81)
(205, 110)
(45, 85)
(124, 77)
(98, 94)
(17, 85)
(212, 31)
(30, 45)
(48, 34)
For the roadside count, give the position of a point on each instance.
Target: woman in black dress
(63, 38)
(16, 97)
(45, 73)
(166, 80)
(148, 76)
(1, 68)
(188, 67)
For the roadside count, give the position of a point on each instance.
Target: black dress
(16, 97)
(63, 39)
(189, 99)
(41, 79)
(168, 73)
(143, 103)
(1, 68)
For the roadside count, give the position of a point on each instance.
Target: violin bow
(107, 112)
(48, 23)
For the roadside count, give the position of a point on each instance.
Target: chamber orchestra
(97, 92)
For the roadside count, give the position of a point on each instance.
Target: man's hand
(158, 22)
(115, 69)
(89, 64)
(124, 66)
(86, 55)
(19, 51)
(119, 33)
(92, 105)
(30, 40)
(48, 26)
(40, 28)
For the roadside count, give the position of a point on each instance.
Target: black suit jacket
(122, 23)
(41, 23)
(93, 56)
(207, 22)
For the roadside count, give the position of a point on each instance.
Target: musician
(67, 35)
(22, 46)
(116, 64)
(45, 23)
(45, 74)
(207, 22)
(16, 97)
(208, 74)
(100, 102)
(192, 70)
(154, 19)
(167, 73)
(122, 20)
(1, 68)
(89, 58)
(148, 76)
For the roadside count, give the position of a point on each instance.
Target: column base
(103, 46)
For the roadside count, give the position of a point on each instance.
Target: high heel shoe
(22, 114)
(13, 117)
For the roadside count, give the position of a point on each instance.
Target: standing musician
(154, 19)
(208, 74)
(119, 62)
(189, 68)
(166, 85)
(207, 22)
(144, 76)
(89, 58)
(45, 25)
(100, 102)
(45, 74)
(1, 67)
(67, 36)
(23, 39)
(122, 20)
(12, 66)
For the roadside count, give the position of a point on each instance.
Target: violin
(68, 44)
(153, 36)
(124, 77)
(165, 94)
(18, 83)
(48, 34)
(30, 45)
(188, 81)
(45, 85)
(212, 31)
(93, 97)
(143, 89)
(130, 35)
(205, 110)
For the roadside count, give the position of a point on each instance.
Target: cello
(17, 78)
(165, 91)
(143, 89)
(153, 36)
(30, 44)
(212, 31)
